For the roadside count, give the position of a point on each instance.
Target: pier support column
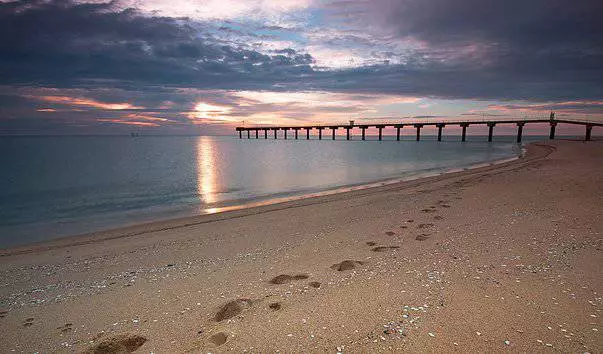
(257, 132)
(519, 131)
(490, 131)
(285, 129)
(275, 133)
(240, 134)
(333, 133)
(380, 132)
(440, 127)
(589, 129)
(307, 133)
(418, 126)
(363, 132)
(464, 134)
(248, 134)
(552, 133)
(347, 133)
(319, 133)
(398, 133)
(265, 133)
(296, 133)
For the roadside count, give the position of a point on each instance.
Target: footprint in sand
(428, 210)
(422, 237)
(3, 314)
(404, 227)
(232, 309)
(346, 265)
(384, 248)
(286, 278)
(371, 243)
(28, 322)
(445, 206)
(314, 284)
(424, 226)
(410, 220)
(67, 327)
(122, 343)
(390, 233)
(218, 339)
(438, 217)
(275, 306)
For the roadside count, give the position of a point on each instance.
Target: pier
(439, 124)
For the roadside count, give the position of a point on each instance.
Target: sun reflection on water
(207, 176)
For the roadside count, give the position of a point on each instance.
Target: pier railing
(416, 123)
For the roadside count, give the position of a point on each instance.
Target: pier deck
(418, 124)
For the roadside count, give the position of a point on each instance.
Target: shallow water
(59, 186)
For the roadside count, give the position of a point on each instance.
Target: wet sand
(505, 257)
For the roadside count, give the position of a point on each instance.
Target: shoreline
(239, 210)
(499, 258)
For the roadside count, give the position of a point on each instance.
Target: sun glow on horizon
(211, 112)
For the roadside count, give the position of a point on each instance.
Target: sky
(205, 66)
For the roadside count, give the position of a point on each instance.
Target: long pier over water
(417, 124)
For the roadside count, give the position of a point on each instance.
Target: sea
(60, 186)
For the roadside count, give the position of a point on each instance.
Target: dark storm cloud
(551, 49)
(65, 44)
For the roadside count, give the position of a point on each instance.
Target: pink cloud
(85, 102)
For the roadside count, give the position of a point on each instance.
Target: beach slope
(504, 257)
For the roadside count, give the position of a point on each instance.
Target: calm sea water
(58, 186)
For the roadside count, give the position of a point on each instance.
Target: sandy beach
(500, 258)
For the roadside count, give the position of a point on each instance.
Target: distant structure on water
(418, 124)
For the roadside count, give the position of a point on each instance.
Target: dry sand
(506, 257)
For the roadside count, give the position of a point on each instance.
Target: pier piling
(319, 132)
(363, 128)
(265, 133)
(519, 131)
(552, 133)
(464, 134)
(240, 134)
(380, 127)
(490, 131)
(248, 134)
(398, 127)
(440, 127)
(418, 126)
(347, 133)
(308, 133)
(589, 129)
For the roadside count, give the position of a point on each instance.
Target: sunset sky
(202, 67)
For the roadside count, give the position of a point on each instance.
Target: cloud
(577, 107)
(64, 44)
(83, 102)
(513, 49)
(294, 60)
